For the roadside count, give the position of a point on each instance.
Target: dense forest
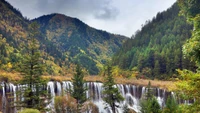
(78, 42)
(64, 41)
(156, 49)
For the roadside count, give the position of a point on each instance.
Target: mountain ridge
(156, 50)
(63, 40)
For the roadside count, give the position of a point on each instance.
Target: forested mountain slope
(13, 36)
(156, 50)
(63, 41)
(79, 42)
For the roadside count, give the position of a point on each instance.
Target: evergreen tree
(154, 106)
(171, 105)
(149, 104)
(33, 93)
(157, 68)
(79, 91)
(111, 93)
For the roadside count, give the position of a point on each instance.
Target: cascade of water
(13, 89)
(3, 99)
(50, 88)
(143, 90)
(59, 89)
(131, 93)
(159, 98)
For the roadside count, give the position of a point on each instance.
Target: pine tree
(156, 69)
(111, 93)
(171, 105)
(79, 91)
(31, 69)
(149, 104)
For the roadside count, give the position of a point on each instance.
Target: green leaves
(79, 90)
(111, 93)
(31, 70)
(149, 103)
(157, 46)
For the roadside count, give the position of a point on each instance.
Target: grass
(142, 82)
(9, 76)
(14, 77)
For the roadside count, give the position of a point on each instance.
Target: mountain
(156, 49)
(63, 40)
(79, 42)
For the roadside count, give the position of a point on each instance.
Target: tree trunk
(113, 108)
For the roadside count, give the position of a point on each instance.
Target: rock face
(131, 93)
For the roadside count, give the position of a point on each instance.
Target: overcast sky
(116, 16)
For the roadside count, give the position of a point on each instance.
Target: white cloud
(115, 16)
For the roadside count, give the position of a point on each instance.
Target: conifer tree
(111, 93)
(149, 104)
(33, 93)
(79, 91)
(171, 105)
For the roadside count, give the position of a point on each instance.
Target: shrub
(27, 110)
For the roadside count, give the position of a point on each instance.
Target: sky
(122, 17)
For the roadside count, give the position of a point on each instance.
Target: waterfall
(3, 98)
(132, 94)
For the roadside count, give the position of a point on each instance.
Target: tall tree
(111, 93)
(79, 91)
(189, 84)
(191, 10)
(31, 69)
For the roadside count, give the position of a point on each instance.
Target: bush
(65, 104)
(26, 110)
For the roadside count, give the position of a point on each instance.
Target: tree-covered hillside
(156, 49)
(63, 41)
(78, 42)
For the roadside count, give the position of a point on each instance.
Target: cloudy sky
(116, 16)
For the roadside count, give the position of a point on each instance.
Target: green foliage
(149, 103)
(150, 106)
(82, 42)
(31, 70)
(111, 93)
(29, 111)
(87, 63)
(156, 49)
(191, 48)
(79, 90)
(171, 105)
(63, 41)
(189, 8)
(188, 86)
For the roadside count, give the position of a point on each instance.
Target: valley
(58, 63)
